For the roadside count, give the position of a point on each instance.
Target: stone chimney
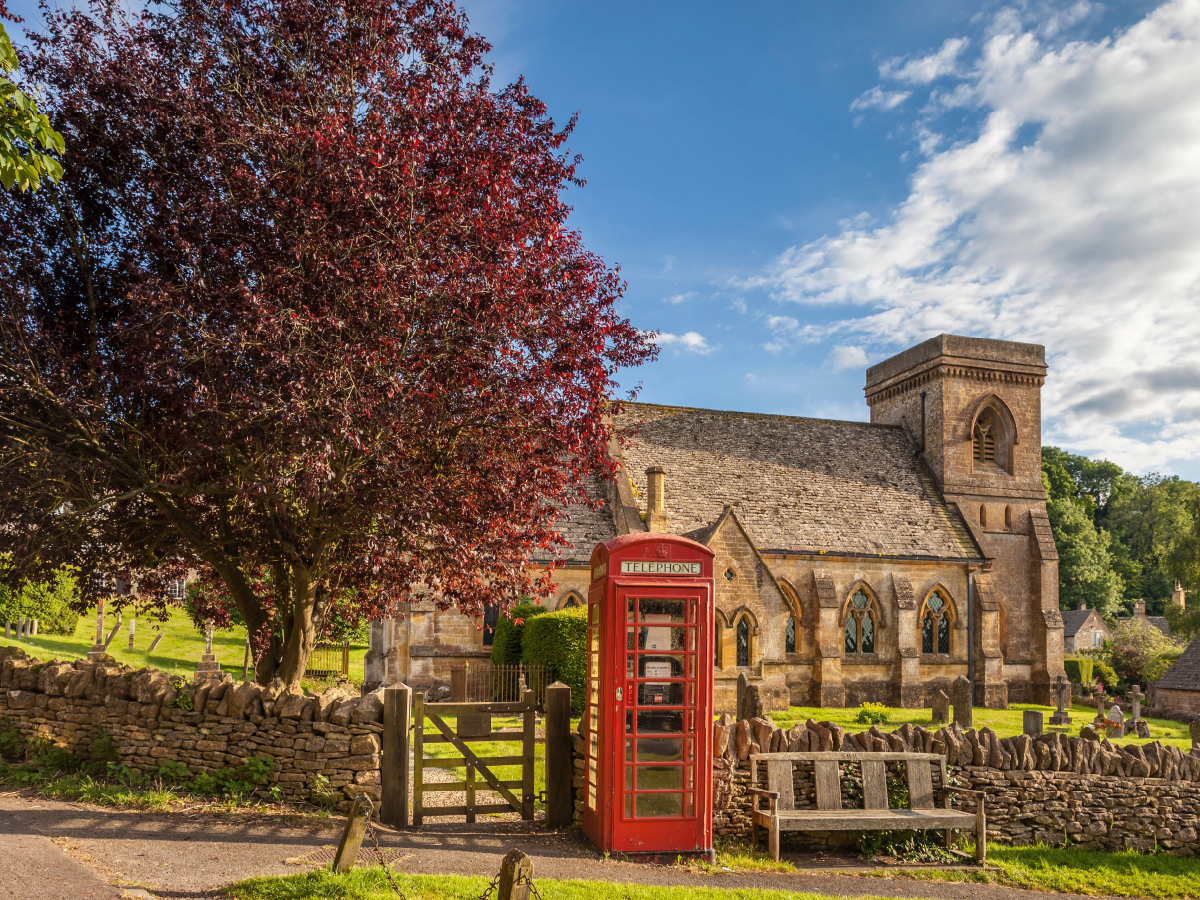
(1179, 595)
(1082, 604)
(656, 499)
(1139, 609)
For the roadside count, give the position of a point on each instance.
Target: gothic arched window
(937, 614)
(992, 440)
(862, 620)
(789, 635)
(743, 641)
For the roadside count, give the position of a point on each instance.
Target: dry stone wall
(336, 736)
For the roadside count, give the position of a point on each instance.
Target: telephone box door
(660, 716)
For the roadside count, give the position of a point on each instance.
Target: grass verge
(1090, 872)
(370, 884)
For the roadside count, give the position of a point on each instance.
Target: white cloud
(842, 357)
(927, 68)
(692, 342)
(679, 298)
(1070, 219)
(878, 98)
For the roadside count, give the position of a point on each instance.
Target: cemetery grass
(177, 653)
(1005, 722)
(371, 884)
(1070, 870)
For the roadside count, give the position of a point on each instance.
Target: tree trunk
(301, 637)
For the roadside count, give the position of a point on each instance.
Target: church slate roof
(799, 485)
(1184, 674)
(585, 527)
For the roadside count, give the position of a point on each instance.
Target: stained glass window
(868, 633)
(943, 635)
(935, 620)
(860, 624)
(927, 635)
(789, 636)
(851, 634)
(743, 642)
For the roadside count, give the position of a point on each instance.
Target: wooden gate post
(418, 729)
(528, 748)
(516, 876)
(560, 797)
(397, 719)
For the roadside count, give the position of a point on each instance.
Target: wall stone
(335, 735)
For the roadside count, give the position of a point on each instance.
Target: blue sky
(796, 190)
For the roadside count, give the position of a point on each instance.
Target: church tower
(973, 407)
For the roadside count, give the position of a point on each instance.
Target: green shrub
(1106, 674)
(506, 643)
(1079, 671)
(558, 641)
(872, 714)
(48, 601)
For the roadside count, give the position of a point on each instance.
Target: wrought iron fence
(491, 683)
(329, 661)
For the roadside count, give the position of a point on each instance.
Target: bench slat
(920, 784)
(874, 781)
(874, 820)
(779, 778)
(829, 784)
(886, 756)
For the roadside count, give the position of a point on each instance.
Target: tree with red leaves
(304, 313)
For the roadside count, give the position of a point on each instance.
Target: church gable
(747, 591)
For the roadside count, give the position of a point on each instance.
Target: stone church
(854, 562)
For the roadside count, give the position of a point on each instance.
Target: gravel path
(52, 850)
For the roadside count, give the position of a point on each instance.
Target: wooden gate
(473, 725)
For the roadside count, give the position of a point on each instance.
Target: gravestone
(1116, 716)
(960, 696)
(941, 708)
(1194, 730)
(1142, 728)
(97, 651)
(157, 638)
(1031, 722)
(742, 683)
(7, 625)
(1137, 697)
(33, 628)
(209, 667)
(132, 623)
(1062, 699)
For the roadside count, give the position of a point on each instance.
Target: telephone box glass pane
(651, 805)
(661, 610)
(631, 609)
(631, 639)
(628, 749)
(659, 749)
(662, 721)
(660, 693)
(661, 637)
(629, 778)
(658, 778)
(687, 804)
(629, 665)
(660, 666)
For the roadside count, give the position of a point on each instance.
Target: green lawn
(1005, 722)
(1087, 872)
(370, 884)
(177, 653)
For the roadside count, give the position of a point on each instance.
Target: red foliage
(305, 313)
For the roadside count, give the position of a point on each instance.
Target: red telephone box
(648, 714)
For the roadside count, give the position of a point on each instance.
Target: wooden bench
(922, 814)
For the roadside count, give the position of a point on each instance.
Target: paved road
(191, 856)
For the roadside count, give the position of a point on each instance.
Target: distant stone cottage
(1083, 629)
(846, 552)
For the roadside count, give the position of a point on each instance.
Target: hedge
(558, 641)
(1079, 671)
(506, 642)
(1106, 674)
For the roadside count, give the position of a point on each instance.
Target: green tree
(1148, 521)
(26, 138)
(1085, 563)
(47, 601)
